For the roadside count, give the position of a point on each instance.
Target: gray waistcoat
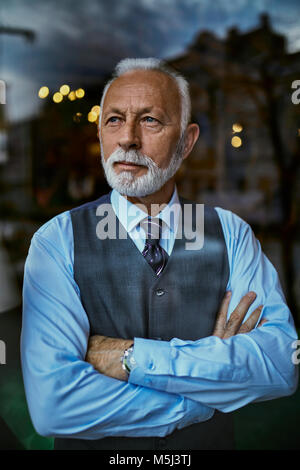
(123, 298)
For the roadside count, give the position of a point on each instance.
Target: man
(122, 347)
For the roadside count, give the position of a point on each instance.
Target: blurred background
(241, 59)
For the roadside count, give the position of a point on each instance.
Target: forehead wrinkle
(124, 110)
(145, 83)
(117, 96)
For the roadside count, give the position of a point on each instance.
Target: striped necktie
(154, 254)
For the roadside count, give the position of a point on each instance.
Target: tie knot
(152, 228)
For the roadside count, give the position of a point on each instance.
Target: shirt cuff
(153, 358)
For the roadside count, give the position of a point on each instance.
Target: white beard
(127, 184)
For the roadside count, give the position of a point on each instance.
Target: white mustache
(132, 156)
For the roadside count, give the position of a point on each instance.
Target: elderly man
(132, 337)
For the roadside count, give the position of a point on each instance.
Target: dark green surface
(14, 412)
(269, 425)
(16, 429)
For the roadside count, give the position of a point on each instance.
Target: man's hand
(105, 353)
(225, 329)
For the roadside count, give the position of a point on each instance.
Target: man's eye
(113, 119)
(151, 120)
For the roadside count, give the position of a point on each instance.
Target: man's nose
(129, 138)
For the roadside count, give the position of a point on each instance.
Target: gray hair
(151, 63)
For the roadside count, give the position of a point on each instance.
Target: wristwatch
(127, 359)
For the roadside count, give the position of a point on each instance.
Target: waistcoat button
(159, 292)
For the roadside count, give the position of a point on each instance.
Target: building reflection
(246, 160)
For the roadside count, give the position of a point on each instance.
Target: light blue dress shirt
(175, 383)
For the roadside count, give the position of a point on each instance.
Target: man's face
(140, 123)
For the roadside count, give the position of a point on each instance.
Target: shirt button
(151, 366)
(160, 292)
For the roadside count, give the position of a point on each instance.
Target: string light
(80, 93)
(57, 97)
(96, 109)
(64, 89)
(43, 92)
(236, 127)
(236, 141)
(92, 117)
(72, 96)
(77, 117)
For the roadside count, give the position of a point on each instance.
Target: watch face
(125, 359)
(130, 359)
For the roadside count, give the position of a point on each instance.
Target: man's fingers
(264, 320)
(251, 321)
(238, 315)
(222, 316)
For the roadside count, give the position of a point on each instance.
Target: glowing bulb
(57, 97)
(236, 141)
(236, 127)
(79, 93)
(92, 117)
(43, 92)
(96, 109)
(72, 96)
(64, 89)
(76, 117)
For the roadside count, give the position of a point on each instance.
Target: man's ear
(191, 136)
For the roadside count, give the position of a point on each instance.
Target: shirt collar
(131, 215)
